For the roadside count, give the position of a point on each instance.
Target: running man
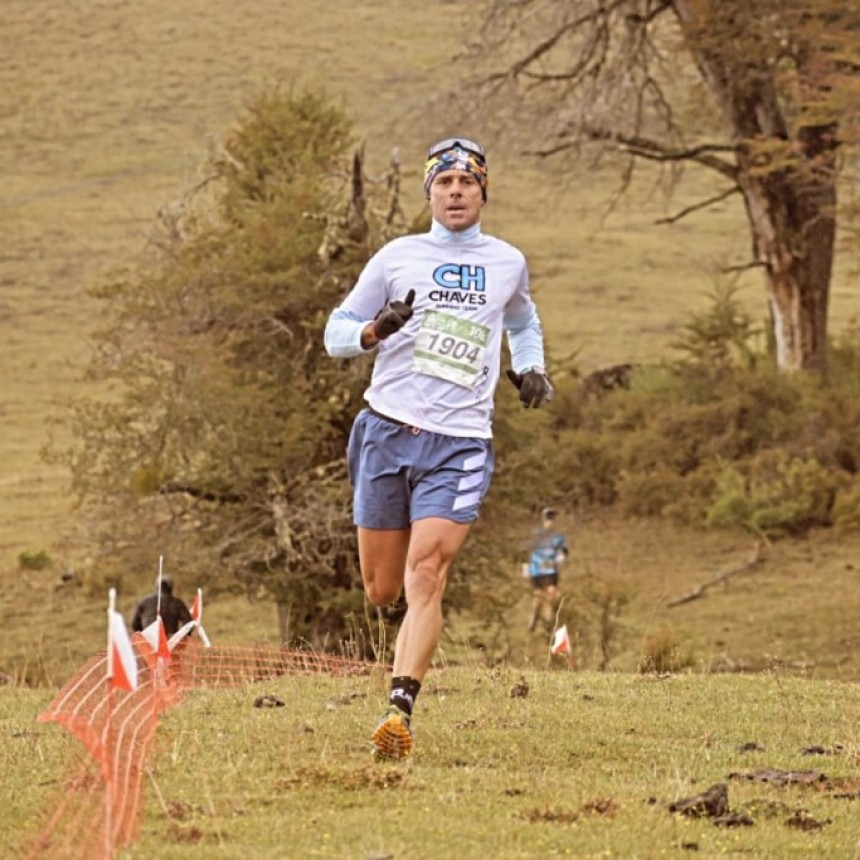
(548, 551)
(434, 306)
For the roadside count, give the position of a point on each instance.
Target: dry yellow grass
(110, 107)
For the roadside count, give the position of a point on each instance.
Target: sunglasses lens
(462, 142)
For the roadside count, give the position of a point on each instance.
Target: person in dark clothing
(174, 612)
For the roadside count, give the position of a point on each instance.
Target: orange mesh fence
(101, 806)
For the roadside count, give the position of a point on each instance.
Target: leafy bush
(719, 438)
(719, 337)
(781, 495)
(846, 509)
(32, 560)
(662, 492)
(607, 600)
(587, 469)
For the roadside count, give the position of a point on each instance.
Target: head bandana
(456, 159)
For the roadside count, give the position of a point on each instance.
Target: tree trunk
(283, 622)
(786, 171)
(793, 227)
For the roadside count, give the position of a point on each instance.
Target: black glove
(393, 317)
(533, 385)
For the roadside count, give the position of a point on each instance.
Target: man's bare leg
(552, 598)
(419, 559)
(429, 549)
(537, 607)
(432, 547)
(382, 555)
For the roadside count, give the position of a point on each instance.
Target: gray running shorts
(400, 474)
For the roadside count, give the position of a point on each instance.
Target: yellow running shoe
(392, 738)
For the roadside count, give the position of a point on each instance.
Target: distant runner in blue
(548, 551)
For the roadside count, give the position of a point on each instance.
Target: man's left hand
(534, 387)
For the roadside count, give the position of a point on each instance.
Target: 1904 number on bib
(450, 348)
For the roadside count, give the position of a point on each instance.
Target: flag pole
(555, 628)
(109, 792)
(111, 608)
(158, 589)
(201, 632)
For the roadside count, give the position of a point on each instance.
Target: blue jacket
(548, 547)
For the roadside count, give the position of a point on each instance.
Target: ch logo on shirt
(460, 283)
(460, 277)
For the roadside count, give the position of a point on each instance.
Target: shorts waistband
(390, 420)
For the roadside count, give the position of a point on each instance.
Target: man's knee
(381, 594)
(426, 581)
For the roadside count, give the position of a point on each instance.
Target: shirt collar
(441, 232)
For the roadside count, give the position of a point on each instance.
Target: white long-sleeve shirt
(440, 371)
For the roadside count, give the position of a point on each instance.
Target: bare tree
(763, 93)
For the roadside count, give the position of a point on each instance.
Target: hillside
(110, 110)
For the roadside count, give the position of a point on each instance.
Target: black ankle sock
(404, 691)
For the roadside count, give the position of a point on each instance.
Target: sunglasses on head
(453, 142)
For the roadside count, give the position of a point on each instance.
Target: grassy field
(582, 765)
(108, 110)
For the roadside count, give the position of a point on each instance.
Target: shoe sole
(392, 739)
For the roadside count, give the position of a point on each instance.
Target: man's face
(456, 200)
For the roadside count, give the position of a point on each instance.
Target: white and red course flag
(181, 633)
(122, 662)
(560, 641)
(156, 637)
(197, 615)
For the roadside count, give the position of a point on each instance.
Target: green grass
(583, 766)
(108, 114)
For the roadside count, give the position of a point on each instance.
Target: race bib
(450, 348)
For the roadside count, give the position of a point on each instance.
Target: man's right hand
(393, 317)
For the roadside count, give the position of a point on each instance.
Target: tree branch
(704, 204)
(636, 20)
(199, 493)
(653, 150)
(754, 559)
(545, 46)
(755, 264)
